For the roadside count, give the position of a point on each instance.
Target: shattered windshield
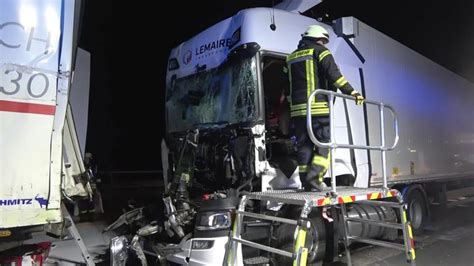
(227, 94)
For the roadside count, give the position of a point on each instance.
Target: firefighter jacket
(312, 67)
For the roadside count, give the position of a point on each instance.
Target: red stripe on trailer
(29, 108)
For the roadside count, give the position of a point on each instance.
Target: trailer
(42, 124)
(231, 180)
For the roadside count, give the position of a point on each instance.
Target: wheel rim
(416, 213)
(313, 244)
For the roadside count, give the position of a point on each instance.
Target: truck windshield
(223, 95)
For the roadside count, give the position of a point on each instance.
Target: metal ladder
(341, 196)
(309, 201)
(234, 251)
(405, 225)
(408, 246)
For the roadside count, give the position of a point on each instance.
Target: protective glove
(359, 98)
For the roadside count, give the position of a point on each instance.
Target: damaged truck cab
(228, 135)
(227, 125)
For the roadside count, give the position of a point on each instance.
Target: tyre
(417, 209)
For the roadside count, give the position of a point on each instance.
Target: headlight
(202, 244)
(214, 221)
(118, 251)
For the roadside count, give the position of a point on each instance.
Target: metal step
(268, 217)
(377, 242)
(262, 247)
(321, 198)
(378, 223)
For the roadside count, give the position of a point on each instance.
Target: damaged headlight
(202, 244)
(118, 251)
(214, 221)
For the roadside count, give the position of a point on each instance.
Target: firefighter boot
(312, 183)
(316, 185)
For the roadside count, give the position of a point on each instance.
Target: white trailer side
(36, 51)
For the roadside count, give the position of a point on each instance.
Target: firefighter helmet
(317, 32)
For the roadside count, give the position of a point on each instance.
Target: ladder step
(268, 217)
(378, 223)
(379, 203)
(262, 247)
(377, 242)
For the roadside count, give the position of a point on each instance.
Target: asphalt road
(449, 240)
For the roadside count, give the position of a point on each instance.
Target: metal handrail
(349, 146)
(333, 145)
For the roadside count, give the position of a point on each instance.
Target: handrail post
(332, 148)
(382, 144)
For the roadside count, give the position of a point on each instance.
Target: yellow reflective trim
(299, 54)
(404, 216)
(300, 240)
(311, 75)
(374, 195)
(325, 201)
(304, 257)
(320, 160)
(308, 79)
(321, 176)
(322, 111)
(291, 83)
(302, 106)
(298, 106)
(231, 254)
(410, 232)
(323, 54)
(412, 252)
(340, 82)
(303, 168)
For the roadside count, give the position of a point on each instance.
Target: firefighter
(312, 67)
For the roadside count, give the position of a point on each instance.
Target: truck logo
(42, 201)
(13, 202)
(187, 57)
(217, 44)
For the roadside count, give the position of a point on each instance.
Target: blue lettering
(13, 202)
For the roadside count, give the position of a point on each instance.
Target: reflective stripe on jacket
(311, 67)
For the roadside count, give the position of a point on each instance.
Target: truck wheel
(315, 240)
(417, 209)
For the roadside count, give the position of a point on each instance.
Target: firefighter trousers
(313, 161)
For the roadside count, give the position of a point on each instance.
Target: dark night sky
(129, 45)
